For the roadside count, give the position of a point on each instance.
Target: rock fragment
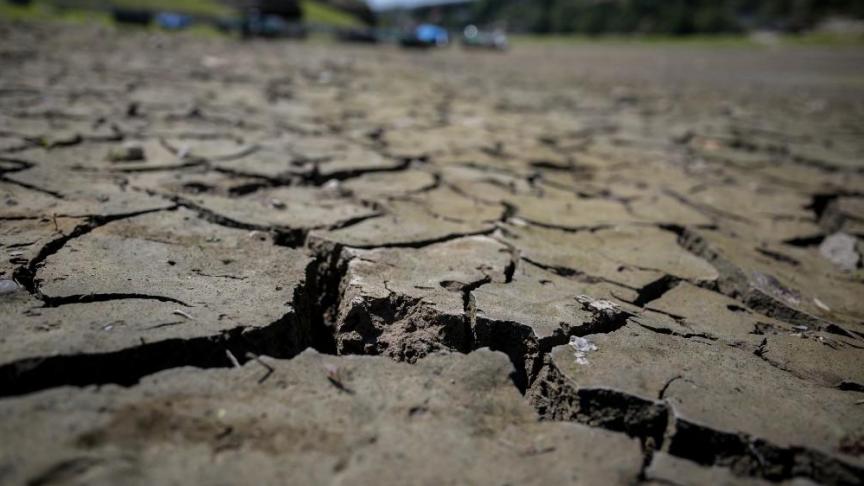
(8, 286)
(126, 153)
(408, 303)
(840, 249)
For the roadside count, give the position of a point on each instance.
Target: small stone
(839, 249)
(7, 286)
(126, 153)
(581, 347)
(332, 185)
(821, 304)
(603, 305)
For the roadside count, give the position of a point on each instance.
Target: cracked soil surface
(277, 263)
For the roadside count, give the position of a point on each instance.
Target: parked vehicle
(256, 25)
(426, 35)
(134, 16)
(272, 18)
(472, 37)
(173, 21)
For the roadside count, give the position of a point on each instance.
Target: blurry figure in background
(472, 37)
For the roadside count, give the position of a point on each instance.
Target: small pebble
(581, 347)
(840, 249)
(821, 305)
(7, 286)
(126, 153)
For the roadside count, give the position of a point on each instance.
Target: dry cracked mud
(275, 263)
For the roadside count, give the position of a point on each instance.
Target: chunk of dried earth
(314, 419)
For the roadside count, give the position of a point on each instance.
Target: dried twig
(232, 358)
(266, 366)
(334, 376)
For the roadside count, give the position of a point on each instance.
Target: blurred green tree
(676, 17)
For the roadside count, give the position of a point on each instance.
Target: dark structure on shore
(289, 10)
(292, 10)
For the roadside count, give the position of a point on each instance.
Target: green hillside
(314, 11)
(319, 13)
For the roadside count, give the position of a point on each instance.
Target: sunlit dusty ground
(271, 263)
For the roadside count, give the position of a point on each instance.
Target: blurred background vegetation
(546, 20)
(668, 17)
(336, 13)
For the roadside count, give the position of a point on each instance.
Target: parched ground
(277, 263)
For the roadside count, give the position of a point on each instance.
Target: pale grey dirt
(284, 263)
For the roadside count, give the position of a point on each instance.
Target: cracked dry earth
(275, 263)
